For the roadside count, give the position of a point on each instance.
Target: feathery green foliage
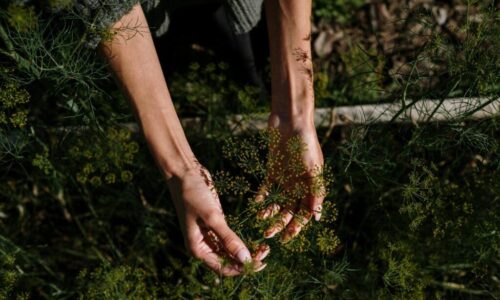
(410, 211)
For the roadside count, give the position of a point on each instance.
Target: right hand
(206, 233)
(306, 173)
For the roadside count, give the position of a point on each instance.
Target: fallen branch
(422, 111)
(460, 288)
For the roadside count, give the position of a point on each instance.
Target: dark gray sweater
(243, 15)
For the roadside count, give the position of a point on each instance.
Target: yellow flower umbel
(12, 101)
(22, 18)
(259, 160)
(57, 5)
(108, 160)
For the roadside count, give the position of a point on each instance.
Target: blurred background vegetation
(412, 211)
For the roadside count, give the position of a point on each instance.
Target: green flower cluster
(42, 162)
(120, 282)
(444, 208)
(8, 277)
(13, 111)
(266, 159)
(341, 11)
(208, 90)
(22, 17)
(59, 5)
(109, 160)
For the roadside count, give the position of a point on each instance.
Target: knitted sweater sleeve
(100, 15)
(243, 14)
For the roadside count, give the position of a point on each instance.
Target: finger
(231, 242)
(259, 266)
(293, 228)
(269, 211)
(309, 207)
(286, 216)
(211, 252)
(315, 205)
(213, 241)
(213, 261)
(261, 252)
(261, 194)
(317, 212)
(318, 193)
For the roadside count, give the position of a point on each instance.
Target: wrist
(292, 101)
(185, 172)
(177, 167)
(291, 123)
(167, 141)
(292, 111)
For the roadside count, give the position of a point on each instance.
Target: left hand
(207, 236)
(297, 213)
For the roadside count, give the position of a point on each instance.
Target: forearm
(291, 66)
(133, 60)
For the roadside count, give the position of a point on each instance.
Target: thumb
(233, 244)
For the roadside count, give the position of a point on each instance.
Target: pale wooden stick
(421, 111)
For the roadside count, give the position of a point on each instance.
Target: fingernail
(261, 196)
(285, 237)
(260, 268)
(244, 256)
(269, 234)
(317, 214)
(267, 212)
(265, 253)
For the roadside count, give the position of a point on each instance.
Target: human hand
(206, 233)
(306, 178)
